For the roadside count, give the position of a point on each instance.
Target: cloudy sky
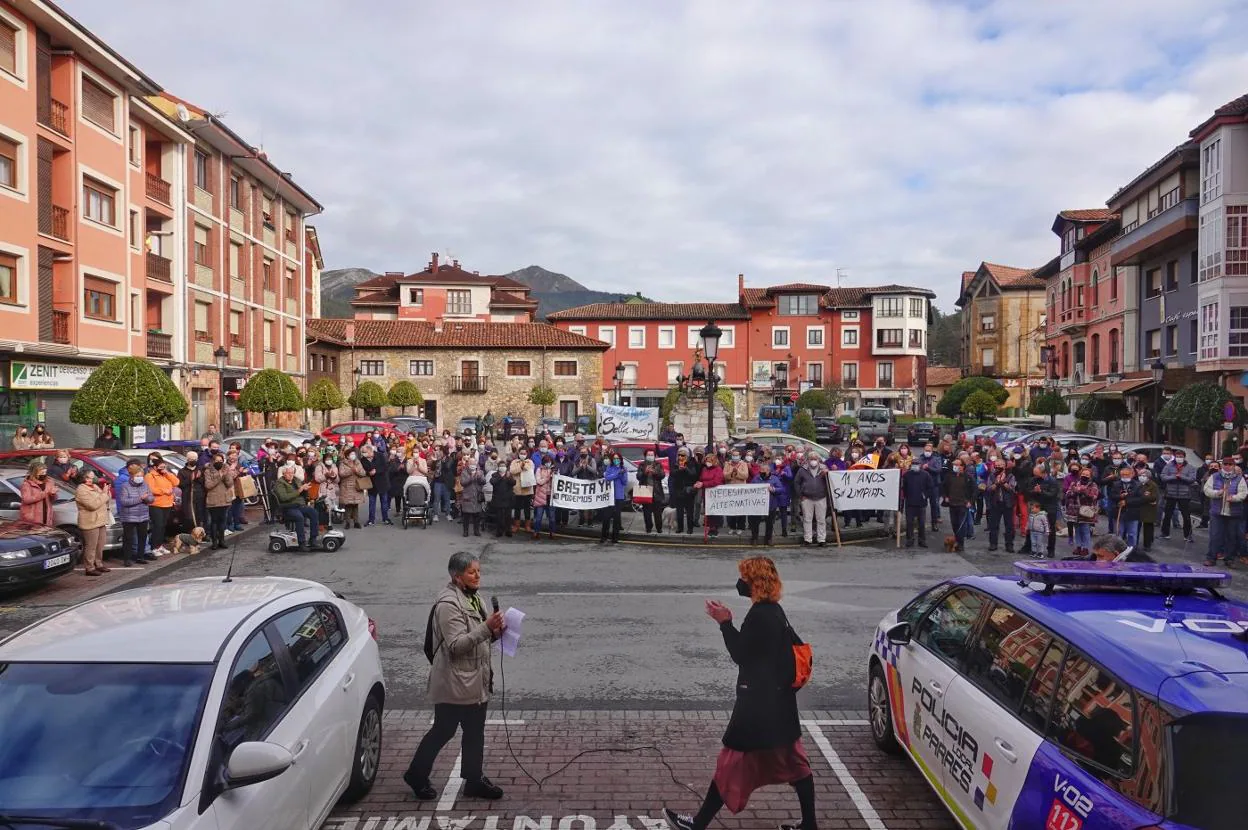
(666, 146)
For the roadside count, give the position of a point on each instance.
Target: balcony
(60, 222)
(1072, 319)
(160, 345)
(158, 189)
(468, 383)
(58, 117)
(1174, 222)
(884, 383)
(60, 326)
(159, 268)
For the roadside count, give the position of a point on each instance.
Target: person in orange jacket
(163, 485)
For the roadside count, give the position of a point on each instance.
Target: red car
(357, 431)
(635, 451)
(106, 463)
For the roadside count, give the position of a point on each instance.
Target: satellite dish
(184, 115)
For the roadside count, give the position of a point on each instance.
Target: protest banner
(738, 500)
(864, 489)
(628, 423)
(578, 494)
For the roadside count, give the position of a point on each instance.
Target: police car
(1072, 696)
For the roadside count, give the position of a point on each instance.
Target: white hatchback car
(243, 704)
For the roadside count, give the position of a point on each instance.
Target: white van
(873, 422)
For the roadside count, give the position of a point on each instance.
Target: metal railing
(60, 326)
(468, 383)
(160, 345)
(159, 268)
(60, 222)
(158, 188)
(58, 117)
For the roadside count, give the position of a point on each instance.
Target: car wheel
(880, 711)
(367, 757)
(277, 546)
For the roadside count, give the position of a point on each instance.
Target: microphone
(494, 604)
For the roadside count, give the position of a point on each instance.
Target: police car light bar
(1161, 576)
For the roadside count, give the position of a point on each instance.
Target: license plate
(56, 562)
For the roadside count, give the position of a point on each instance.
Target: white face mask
(813, 464)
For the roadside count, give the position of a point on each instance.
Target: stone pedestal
(689, 418)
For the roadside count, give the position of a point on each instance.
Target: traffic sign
(793, 397)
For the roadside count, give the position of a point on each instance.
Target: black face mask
(743, 588)
(218, 464)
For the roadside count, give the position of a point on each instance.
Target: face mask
(1167, 458)
(750, 459)
(814, 465)
(743, 588)
(615, 462)
(927, 453)
(649, 456)
(709, 465)
(1209, 461)
(1117, 460)
(218, 464)
(853, 455)
(43, 474)
(136, 481)
(764, 473)
(957, 468)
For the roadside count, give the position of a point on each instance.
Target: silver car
(64, 509)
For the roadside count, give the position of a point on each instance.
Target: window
(236, 258)
(256, 696)
(312, 636)
(849, 337)
(988, 358)
(674, 370)
(135, 233)
(202, 251)
(291, 291)
(636, 337)
(266, 210)
(99, 300)
(946, 628)
(565, 368)
(607, 334)
(136, 311)
(415, 296)
(136, 146)
(1096, 289)
(780, 337)
(236, 328)
(849, 375)
(8, 163)
(988, 322)
(1193, 333)
(266, 275)
(1003, 655)
(814, 337)
(8, 278)
(236, 193)
(519, 369)
(420, 368)
(202, 311)
(8, 47)
(814, 374)
(290, 340)
(1113, 284)
(1208, 331)
(629, 377)
(884, 375)
(1039, 696)
(1237, 240)
(915, 340)
(1237, 333)
(1152, 283)
(1094, 716)
(458, 301)
(1172, 275)
(917, 307)
(270, 335)
(372, 368)
(577, 330)
(1172, 336)
(799, 305)
(667, 337)
(1210, 244)
(888, 338)
(1211, 171)
(890, 307)
(1153, 340)
(98, 202)
(849, 315)
(1096, 354)
(99, 106)
(201, 170)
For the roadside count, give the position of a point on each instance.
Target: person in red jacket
(712, 476)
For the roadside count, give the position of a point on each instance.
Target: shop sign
(48, 375)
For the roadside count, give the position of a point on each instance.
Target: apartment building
(443, 291)
(1003, 318)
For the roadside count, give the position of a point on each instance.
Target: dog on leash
(669, 519)
(951, 544)
(189, 542)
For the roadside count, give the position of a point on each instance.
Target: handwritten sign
(738, 500)
(628, 423)
(864, 489)
(579, 494)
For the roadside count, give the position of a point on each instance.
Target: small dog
(189, 542)
(951, 544)
(669, 519)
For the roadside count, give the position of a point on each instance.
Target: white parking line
(836, 722)
(856, 795)
(514, 722)
(451, 791)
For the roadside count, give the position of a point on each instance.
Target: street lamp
(221, 355)
(355, 385)
(1159, 371)
(710, 335)
(618, 380)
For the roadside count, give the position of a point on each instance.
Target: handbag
(643, 494)
(1087, 511)
(803, 657)
(364, 482)
(244, 487)
(527, 478)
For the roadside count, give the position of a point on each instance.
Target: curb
(734, 542)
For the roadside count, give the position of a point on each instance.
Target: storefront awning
(1086, 390)
(1125, 387)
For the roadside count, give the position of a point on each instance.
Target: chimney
(740, 285)
(349, 331)
(454, 263)
(433, 263)
(395, 274)
(437, 324)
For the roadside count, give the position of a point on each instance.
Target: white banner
(738, 500)
(628, 423)
(864, 489)
(579, 494)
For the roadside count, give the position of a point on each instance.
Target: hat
(1226, 459)
(683, 451)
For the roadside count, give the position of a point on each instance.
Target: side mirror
(899, 634)
(256, 761)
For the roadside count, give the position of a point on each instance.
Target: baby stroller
(416, 508)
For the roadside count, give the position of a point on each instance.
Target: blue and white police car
(1072, 696)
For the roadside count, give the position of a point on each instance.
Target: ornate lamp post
(710, 335)
(618, 380)
(1159, 371)
(220, 355)
(355, 385)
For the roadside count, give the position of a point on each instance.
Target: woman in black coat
(763, 742)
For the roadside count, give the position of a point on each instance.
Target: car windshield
(110, 463)
(1207, 790)
(873, 415)
(64, 492)
(104, 741)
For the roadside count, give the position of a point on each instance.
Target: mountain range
(553, 291)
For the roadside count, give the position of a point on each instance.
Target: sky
(665, 147)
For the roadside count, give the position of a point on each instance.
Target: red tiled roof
(1088, 215)
(860, 296)
(418, 334)
(967, 276)
(375, 298)
(756, 298)
(653, 311)
(796, 286)
(1230, 109)
(446, 274)
(1009, 277)
(506, 298)
(943, 375)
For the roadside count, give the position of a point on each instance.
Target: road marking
(836, 722)
(451, 790)
(842, 773)
(514, 722)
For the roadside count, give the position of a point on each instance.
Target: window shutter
(236, 322)
(45, 294)
(45, 186)
(8, 47)
(98, 105)
(201, 235)
(201, 317)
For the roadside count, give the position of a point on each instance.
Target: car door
(928, 667)
(313, 637)
(1006, 653)
(259, 706)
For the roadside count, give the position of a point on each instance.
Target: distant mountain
(554, 292)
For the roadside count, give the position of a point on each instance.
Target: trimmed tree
(324, 397)
(950, 404)
(1105, 410)
(129, 392)
(729, 402)
(404, 394)
(668, 404)
(368, 396)
(804, 425)
(814, 400)
(1051, 404)
(980, 404)
(542, 395)
(270, 391)
(1199, 406)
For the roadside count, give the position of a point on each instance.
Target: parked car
(1153, 451)
(519, 426)
(920, 432)
(253, 439)
(64, 508)
(874, 422)
(354, 432)
(552, 425)
(777, 441)
(468, 426)
(106, 463)
(828, 430)
(411, 424)
(1065, 440)
(582, 425)
(31, 554)
(237, 679)
(635, 451)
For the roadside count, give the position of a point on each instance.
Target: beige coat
(349, 491)
(93, 505)
(517, 466)
(461, 672)
(736, 472)
(219, 486)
